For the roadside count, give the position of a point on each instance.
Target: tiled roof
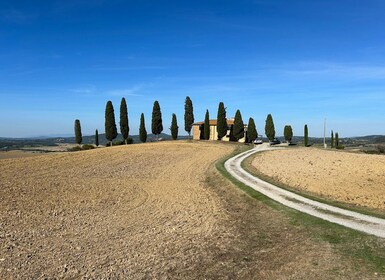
(214, 122)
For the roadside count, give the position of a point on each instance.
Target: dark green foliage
(78, 132)
(252, 130)
(306, 136)
(269, 127)
(206, 127)
(110, 125)
(288, 133)
(174, 127)
(157, 126)
(239, 127)
(380, 149)
(96, 138)
(188, 115)
(88, 147)
(124, 128)
(337, 140)
(142, 130)
(123, 142)
(332, 140)
(221, 121)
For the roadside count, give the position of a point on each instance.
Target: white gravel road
(368, 224)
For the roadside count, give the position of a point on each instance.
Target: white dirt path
(364, 223)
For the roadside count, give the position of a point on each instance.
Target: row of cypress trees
(156, 126)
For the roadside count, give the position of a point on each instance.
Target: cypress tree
(206, 127)
(110, 124)
(332, 140)
(238, 128)
(269, 127)
(157, 126)
(188, 116)
(221, 121)
(174, 127)
(124, 128)
(96, 138)
(306, 136)
(78, 132)
(337, 141)
(288, 133)
(142, 129)
(252, 130)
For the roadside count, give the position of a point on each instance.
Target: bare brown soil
(149, 211)
(347, 177)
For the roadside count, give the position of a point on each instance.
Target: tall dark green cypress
(252, 132)
(332, 140)
(337, 140)
(239, 127)
(206, 126)
(78, 132)
(288, 133)
(188, 116)
(221, 121)
(96, 138)
(110, 125)
(269, 127)
(174, 127)
(306, 136)
(124, 128)
(156, 126)
(142, 129)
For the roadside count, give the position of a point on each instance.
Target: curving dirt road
(371, 225)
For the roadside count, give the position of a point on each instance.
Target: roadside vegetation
(364, 252)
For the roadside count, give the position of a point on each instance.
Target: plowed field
(352, 178)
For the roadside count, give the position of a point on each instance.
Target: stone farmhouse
(198, 129)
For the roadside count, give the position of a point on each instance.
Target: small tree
(110, 124)
(78, 132)
(188, 115)
(252, 130)
(239, 127)
(156, 126)
(269, 127)
(221, 121)
(174, 127)
(288, 133)
(142, 130)
(306, 136)
(332, 140)
(206, 127)
(337, 140)
(96, 138)
(124, 128)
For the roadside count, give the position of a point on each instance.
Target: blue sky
(301, 61)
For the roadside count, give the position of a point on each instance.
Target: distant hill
(17, 143)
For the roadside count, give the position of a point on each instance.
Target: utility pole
(325, 145)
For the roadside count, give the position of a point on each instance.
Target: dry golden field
(347, 177)
(150, 211)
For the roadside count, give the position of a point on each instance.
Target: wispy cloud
(16, 16)
(133, 91)
(89, 89)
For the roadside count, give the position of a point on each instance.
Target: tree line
(237, 129)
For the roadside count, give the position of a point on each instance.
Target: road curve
(364, 223)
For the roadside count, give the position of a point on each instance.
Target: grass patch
(364, 251)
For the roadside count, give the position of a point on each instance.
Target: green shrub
(130, 140)
(340, 147)
(88, 147)
(74, 149)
